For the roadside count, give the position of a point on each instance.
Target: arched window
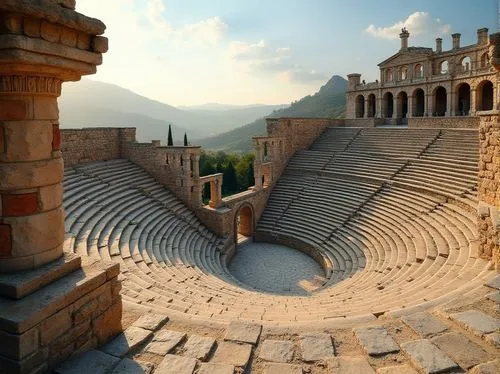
(485, 59)
(443, 67)
(360, 106)
(465, 62)
(419, 71)
(388, 75)
(484, 95)
(403, 73)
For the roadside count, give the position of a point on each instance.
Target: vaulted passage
(371, 105)
(388, 105)
(419, 103)
(440, 102)
(463, 107)
(485, 96)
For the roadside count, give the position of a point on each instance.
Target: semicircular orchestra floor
(276, 269)
(406, 252)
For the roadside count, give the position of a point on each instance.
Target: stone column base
(72, 310)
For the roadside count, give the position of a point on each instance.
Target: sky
(191, 52)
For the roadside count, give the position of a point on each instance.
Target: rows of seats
(449, 165)
(391, 248)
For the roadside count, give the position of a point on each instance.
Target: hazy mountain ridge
(329, 101)
(97, 104)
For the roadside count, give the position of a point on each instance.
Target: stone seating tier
(392, 247)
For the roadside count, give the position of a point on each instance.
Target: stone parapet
(465, 122)
(80, 146)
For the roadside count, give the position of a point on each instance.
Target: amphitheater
(366, 245)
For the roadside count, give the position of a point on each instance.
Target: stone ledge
(48, 10)
(17, 316)
(20, 285)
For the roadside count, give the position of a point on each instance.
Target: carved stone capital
(33, 85)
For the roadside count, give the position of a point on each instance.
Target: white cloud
(261, 58)
(417, 23)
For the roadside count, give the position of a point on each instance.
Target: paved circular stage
(276, 269)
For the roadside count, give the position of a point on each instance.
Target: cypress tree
(170, 139)
(230, 184)
(185, 140)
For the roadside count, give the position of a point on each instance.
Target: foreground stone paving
(276, 268)
(421, 342)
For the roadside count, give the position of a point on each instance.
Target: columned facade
(422, 82)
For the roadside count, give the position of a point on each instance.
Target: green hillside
(329, 101)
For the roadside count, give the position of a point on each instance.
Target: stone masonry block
(45, 108)
(108, 324)
(13, 110)
(31, 174)
(32, 27)
(69, 37)
(18, 346)
(50, 32)
(13, 23)
(56, 137)
(2, 139)
(55, 326)
(50, 197)
(37, 233)
(27, 141)
(17, 205)
(5, 240)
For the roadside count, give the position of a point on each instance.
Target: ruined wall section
(489, 187)
(444, 122)
(85, 145)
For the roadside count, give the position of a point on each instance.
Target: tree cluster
(237, 170)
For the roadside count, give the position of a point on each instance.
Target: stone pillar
(196, 165)
(379, 113)
(473, 98)
(48, 308)
(409, 113)
(215, 193)
(365, 114)
(450, 106)
(429, 104)
(31, 172)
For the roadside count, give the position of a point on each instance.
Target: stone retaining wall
(84, 317)
(489, 186)
(443, 122)
(94, 144)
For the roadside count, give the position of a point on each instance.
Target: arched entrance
(360, 106)
(244, 223)
(463, 104)
(371, 105)
(402, 105)
(440, 101)
(418, 103)
(484, 94)
(388, 104)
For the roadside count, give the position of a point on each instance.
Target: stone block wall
(77, 320)
(444, 122)
(94, 144)
(489, 186)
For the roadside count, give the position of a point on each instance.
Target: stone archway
(440, 101)
(463, 100)
(371, 105)
(418, 103)
(388, 105)
(402, 105)
(244, 222)
(360, 106)
(484, 95)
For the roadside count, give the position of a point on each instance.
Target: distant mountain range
(96, 104)
(214, 126)
(329, 101)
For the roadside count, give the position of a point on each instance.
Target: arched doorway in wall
(244, 223)
(402, 105)
(484, 96)
(371, 105)
(440, 102)
(463, 100)
(360, 106)
(388, 103)
(418, 103)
